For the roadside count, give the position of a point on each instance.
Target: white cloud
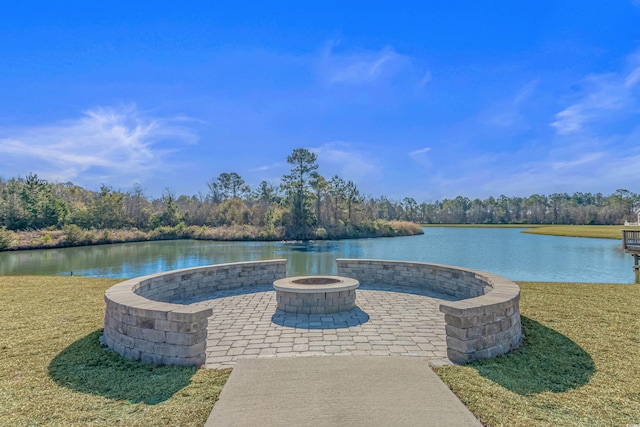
(426, 78)
(568, 170)
(420, 157)
(525, 93)
(362, 67)
(570, 119)
(338, 158)
(503, 149)
(506, 114)
(264, 168)
(633, 77)
(581, 161)
(114, 145)
(604, 96)
(420, 151)
(586, 164)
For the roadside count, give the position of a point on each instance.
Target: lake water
(504, 251)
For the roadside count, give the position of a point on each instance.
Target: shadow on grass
(547, 362)
(88, 367)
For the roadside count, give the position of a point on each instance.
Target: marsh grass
(485, 225)
(579, 366)
(72, 235)
(55, 372)
(597, 231)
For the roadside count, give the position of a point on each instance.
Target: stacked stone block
(316, 302)
(187, 283)
(482, 329)
(141, 322)
(455, 282)
(167, 334)
(484, 323)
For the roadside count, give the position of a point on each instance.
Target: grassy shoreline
(580, 364)
(74, 236)
(591, 231)
(484, 225)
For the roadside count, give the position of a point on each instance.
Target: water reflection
(503, 251)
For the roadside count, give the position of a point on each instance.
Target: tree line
(303, 205)
(557, 208)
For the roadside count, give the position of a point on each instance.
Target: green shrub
(180, 229)
(321, 233)
(6, 239)
(91, 237)
(72, 234)
(163, 232)
(199, 232)
(154, 221)
(46, 238)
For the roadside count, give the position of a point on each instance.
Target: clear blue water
(504, 251)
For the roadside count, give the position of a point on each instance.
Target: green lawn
(53, 370)
(580, 364)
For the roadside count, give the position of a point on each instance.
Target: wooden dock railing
(631, 240)
(631, 244)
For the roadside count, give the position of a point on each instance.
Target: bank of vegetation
(304, 205)
(35, 213)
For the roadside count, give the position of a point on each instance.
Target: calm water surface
(504, 251)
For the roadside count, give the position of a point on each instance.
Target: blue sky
(407, 99)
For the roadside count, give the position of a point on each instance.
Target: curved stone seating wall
(485, 324)
(141, 322)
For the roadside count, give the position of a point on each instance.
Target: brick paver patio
(388, 321)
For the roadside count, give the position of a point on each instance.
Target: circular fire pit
(316, 294)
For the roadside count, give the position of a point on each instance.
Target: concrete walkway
(279, 378)
(388, 321)
(337, 391)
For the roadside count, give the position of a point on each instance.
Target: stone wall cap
(412, 263)
(465, 307)
(201, 268)
(338, 284)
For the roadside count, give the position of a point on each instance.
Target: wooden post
(631, 245)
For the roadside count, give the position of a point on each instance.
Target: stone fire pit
(316, 294)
